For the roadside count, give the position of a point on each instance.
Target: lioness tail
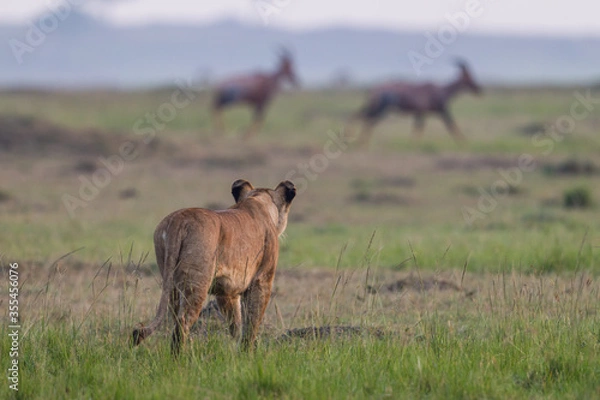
(170, 264)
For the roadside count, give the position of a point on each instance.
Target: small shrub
(4, 196)
(572, 166)
(532, 128)
(579, 197)
(85, 166)
(128, 193)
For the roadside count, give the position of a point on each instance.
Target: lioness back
(231, 240)
(231, 253)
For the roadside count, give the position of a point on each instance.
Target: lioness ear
(240, 189)
(287, 189)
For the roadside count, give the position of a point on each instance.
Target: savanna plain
(414, 268)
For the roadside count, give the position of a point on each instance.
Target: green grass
(523, 354)
(525, 325)
(552, 248)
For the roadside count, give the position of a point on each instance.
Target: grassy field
(464, 270)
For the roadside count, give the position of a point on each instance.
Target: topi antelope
(418, 99)
(255, 90)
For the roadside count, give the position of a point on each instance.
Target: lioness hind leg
(174, 303)
(139, 334)
(256, 299)
(231, 308)
(190, 305)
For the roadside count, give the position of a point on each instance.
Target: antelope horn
(460, 63)
(283, 51)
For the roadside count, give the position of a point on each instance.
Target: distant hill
(82, 51)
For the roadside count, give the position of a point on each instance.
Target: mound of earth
(31, 136)
(321, 332)
(420, 285)
(211, 318)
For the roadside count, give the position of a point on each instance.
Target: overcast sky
(550, 17)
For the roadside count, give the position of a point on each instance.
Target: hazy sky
(553, 17)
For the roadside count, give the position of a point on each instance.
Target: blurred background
(81, 80)
(129, 43)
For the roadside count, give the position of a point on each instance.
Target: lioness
(230, 253)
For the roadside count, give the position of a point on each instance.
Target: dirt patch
(397, 181)
(419, 284)
(33, 136)
(377, 192)
(469, 163)
(474, 191)
(234, 159)
(251, 159)
(572, 167)
(379, 199)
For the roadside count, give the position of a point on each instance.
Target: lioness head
(281, 197)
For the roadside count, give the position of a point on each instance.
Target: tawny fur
(230, 253)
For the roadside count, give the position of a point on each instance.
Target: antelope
(418, 99)
(255, 90)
